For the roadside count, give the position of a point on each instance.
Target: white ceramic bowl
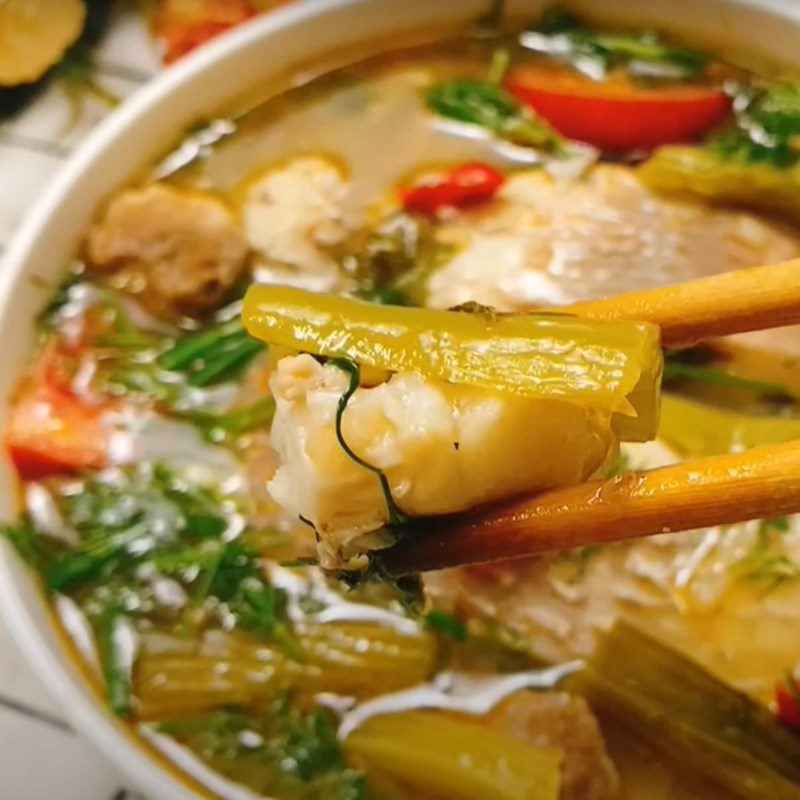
(267, 51)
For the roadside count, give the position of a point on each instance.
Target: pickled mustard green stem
(427, 751)
(609, 366)
(501, 59)
(691, 716)
(696, 429)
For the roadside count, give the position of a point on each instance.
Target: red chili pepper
(787, 708)
(615, 114)
(464, 186)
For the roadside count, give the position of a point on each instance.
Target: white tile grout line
(114, 70)
(25, 710)
(31, 143)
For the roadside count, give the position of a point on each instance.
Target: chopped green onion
(447, 624)
(116, 663)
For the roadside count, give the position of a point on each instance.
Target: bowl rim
(60, 677)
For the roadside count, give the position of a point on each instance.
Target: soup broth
(178, 550)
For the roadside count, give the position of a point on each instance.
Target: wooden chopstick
(732, 302)
(758, 483)
(761, 482)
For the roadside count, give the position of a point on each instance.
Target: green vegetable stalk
(706, 174)
(754, 161)
(426, 751)
(697, 429)
(693, 718)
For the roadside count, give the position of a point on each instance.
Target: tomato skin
(182, 26)
(464, 186)
(786, 707)
(50, 430)
(618, 117)
(33, 465)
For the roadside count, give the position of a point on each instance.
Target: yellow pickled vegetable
(34, 35)
(179, 677)
(696, 429)
(454, 758)
(696, 172)
(611, 366)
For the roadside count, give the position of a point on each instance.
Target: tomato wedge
(616, 114)
(50, 430)
(183, 25)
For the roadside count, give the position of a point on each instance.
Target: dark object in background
(70, 66)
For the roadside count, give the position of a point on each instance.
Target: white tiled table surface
(41, 758)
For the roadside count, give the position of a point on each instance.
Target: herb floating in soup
(315, 325)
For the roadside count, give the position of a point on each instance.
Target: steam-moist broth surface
(147, 511)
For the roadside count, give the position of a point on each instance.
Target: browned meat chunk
(181, 252)
(558, 719)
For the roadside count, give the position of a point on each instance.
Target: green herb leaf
(766, 563)
(396, 516)
(485, 104)
(620, 464)
(143, 364)
(780, 524)
(392, 262)
(115, 662)
(447, 624)
(765, 128)
(219, 428)
(407, 589)
(674, 368)
(561, 34)
(34, 547)
(214, 355)
(276, 753)
(123, 519)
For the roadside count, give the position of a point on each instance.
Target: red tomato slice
(616, 114)
(786, 708)
(50, 430)
(183, 25)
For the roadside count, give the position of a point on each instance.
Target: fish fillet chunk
(546, 242)
(443, 448)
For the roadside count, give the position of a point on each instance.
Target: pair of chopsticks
(762, 482)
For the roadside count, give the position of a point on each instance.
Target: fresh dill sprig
(766, 563)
